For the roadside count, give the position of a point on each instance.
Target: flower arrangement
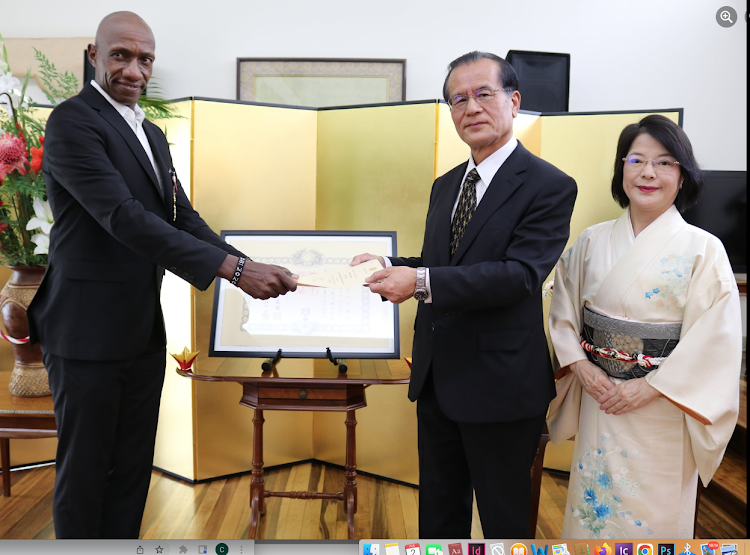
(25, 215)
(23, 199)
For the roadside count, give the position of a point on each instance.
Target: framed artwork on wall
(321, 82)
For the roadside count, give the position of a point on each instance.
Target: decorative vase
(29, 377)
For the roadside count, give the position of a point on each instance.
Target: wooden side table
(21, 418)
(323, 389)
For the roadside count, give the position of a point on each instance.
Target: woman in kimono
(646, 327)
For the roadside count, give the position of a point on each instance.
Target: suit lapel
(113, 117)
(505, 182)
(444, 209)
(160, 159)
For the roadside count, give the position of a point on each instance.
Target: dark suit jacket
(113, 234)
(483, 334)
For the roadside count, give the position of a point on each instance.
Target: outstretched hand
(395, 283)
(260, 281)
(366, 257)
(263, 281)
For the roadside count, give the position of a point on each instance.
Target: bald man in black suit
(121, 218)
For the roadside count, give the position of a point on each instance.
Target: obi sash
(617, 340)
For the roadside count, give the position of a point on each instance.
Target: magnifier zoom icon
(726, 16)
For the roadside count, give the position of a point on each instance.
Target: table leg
(257, 485)
(350, 485)
(5, 461)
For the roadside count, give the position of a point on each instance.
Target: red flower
(20, 133)
(36, 156)
(12, 155)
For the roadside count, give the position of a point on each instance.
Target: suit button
(433, 327)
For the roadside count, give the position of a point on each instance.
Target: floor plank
(221, 509)
(238, 511)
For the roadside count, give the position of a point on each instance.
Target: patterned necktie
(467, 204)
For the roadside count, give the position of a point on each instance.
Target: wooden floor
(220, 509)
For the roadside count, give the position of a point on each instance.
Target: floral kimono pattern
(635, 475)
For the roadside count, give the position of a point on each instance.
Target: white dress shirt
(486, 169)
(134, 118)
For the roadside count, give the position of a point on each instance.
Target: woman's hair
(673, 138)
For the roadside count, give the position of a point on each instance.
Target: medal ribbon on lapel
(173, 173)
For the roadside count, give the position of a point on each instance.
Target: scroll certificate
(347, 276)
(330, 307)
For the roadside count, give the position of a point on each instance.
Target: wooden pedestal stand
(324, 388)
(315, 397)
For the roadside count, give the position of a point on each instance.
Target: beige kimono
(635, 475)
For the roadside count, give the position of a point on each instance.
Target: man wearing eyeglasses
(481, 370)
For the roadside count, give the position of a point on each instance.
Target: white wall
(639, 54)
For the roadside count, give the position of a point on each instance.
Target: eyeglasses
(662, 164)
(482, 96)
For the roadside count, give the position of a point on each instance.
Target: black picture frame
(218, 349)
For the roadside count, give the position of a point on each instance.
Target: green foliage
(58, 86)
(155, 105)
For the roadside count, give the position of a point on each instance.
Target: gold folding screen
(252, 167)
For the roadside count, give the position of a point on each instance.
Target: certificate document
(331, 307)
(346, 276)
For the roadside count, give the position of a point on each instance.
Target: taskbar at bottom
(648, 546)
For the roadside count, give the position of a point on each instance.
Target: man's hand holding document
(346, 276)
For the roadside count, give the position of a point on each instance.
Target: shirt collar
(488, 167)
(126, 112)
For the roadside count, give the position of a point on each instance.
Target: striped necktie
(467, 204)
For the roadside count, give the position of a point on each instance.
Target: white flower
(12, 86)
(41, 240)
(3, 65)
(8, 82)
(43, 219)
(547, 291)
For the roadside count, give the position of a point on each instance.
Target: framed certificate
(352, 321)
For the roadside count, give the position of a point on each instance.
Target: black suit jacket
(113, 234)
(483, 334)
